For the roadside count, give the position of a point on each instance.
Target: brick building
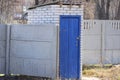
(49, 12)
(68, 17)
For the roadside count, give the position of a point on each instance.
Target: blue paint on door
(70, 46)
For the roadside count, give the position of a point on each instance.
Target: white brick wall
(50, 14)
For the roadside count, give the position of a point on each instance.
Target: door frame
(80, 55)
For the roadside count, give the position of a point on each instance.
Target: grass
(107, 72)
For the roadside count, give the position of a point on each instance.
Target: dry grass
(106, 73)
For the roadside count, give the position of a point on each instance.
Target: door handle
(77, 41)
(78, 38)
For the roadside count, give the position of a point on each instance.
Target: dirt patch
(105, 73)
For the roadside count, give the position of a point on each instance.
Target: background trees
(14, 11)
(93, 9)
(102, 9)
(6, 11)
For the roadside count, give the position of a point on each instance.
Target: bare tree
(117, 12)
(107, 9)
(6, 7)
(102, 8)
(41, 1)
(36, 2)
(10, 9)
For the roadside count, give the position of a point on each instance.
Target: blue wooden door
(69, 47)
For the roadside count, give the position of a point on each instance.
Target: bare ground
(106, 73)
(89, 73)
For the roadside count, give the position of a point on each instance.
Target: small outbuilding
(67, 15)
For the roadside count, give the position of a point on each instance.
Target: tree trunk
(36, 2)
(102, 9)
(107, 9)
(118, 13)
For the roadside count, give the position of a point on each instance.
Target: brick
(55, 6)
(51, 13)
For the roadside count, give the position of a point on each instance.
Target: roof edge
(51, 3)
(40, 5)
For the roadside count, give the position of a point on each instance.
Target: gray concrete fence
(32, 49)
(28, 50)
(101, 42)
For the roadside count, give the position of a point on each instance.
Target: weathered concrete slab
(2, 49)
(32, 67)
(2, 65)
(91, 56)
(26, 49)
(33, 32)
(33, 50)
(3, 32)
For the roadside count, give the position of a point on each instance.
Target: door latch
(78, 38)
(77, 41)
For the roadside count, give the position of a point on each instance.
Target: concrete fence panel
(33, 50)
(91, 42)
(101, 42)
(3, 35)
(112, 42)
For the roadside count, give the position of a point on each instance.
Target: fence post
(57, 51)
(7, 57)
(102, 41)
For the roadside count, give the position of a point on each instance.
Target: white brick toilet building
(50, 14)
